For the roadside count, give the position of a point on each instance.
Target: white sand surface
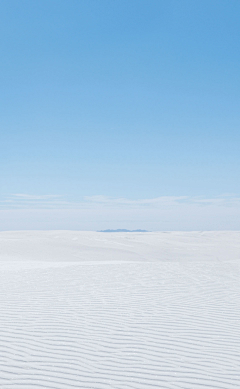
(126, 310)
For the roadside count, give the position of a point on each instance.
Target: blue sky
(119, 102)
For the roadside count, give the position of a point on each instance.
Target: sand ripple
(125, 325)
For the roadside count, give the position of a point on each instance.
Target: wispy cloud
(25, 201)
(165, 200)
(121, 200)
(27, 211)
(30, 201)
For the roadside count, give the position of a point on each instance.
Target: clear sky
(124, 102)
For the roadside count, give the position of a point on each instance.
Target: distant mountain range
(123, 230)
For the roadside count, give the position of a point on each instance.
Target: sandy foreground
(119, 310)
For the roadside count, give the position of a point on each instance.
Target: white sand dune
(127, 310)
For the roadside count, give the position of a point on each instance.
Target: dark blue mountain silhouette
(123, 230)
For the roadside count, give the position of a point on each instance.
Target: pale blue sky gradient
(133, 99)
